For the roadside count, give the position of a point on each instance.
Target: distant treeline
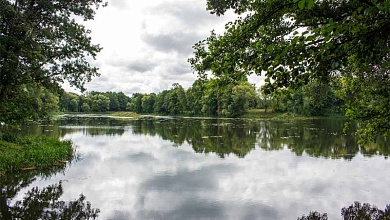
(211, 98)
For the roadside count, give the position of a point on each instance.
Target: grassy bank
(125, 114)
(33, 152)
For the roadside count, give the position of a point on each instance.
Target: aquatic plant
(32, 152)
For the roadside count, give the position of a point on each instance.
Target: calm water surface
(170, 168)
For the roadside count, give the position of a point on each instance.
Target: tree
(194, 97)
(160, 104)
(41, 45)
(99, 103)
(354, 211)
(320, 99)
(181, 94)
(114, 102)
(49, 103)
(243, 97)
(85, 107)
(123, 100)
(210, 98)
(136, 102)
(32, 100)
(295, 41)
(367, 97)
(173, 103)
(265, 99)
(69, 102)
(148, 103)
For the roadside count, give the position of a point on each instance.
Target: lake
(188, 168)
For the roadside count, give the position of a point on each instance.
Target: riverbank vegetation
(32, 152)
(318, 59)
(295, 43)
(41, 46)
(214, 98)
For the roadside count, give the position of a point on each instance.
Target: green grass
(260, 113)
(125, 114)
(33, 152)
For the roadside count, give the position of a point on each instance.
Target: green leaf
(270, 48)
(301, 4)
(294, 40)
(310, 4)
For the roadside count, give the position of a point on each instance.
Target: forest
(213, 98)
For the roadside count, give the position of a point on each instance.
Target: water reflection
(220, 169)
(317, 138)
(38, 203)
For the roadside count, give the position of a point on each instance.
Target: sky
(146, 43)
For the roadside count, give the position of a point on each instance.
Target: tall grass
(33, 152)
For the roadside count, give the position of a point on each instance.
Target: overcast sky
(146, 43)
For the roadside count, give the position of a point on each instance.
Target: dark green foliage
(213, 98)
(314, 216)
(136, 103)
(99, 103)
(313, 99)
(296, 42)
(93, 101)
(194, 97)
(365, 211)
(41, 46)
(148, 102)
(367, 98)
(160, 105)
(114, 101)
(356, 211)
(28, 103)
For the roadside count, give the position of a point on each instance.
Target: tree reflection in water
(223, 137)
(40, 203)
(317, 138)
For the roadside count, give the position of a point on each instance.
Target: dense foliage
(93, 102)
(293, 42)
(41, 46)
(354, 211)
(212, 98)
(203, 98)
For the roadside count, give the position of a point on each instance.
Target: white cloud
(146, 43)
(134, 176)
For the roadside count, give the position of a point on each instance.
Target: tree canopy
(293, 42)
(41, 46)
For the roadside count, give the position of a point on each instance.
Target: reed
(33, 152)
